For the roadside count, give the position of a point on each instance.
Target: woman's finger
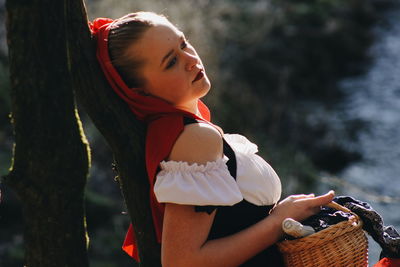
(323, 199)
(300, 196)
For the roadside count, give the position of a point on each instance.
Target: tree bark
(124, 134)
(50, 162)
(51, 51)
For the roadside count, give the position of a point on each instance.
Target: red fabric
(164, 121)
(388, 262)
(129, 245)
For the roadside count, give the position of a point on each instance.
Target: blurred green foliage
(274, 66)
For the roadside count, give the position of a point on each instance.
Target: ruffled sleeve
(194, 184)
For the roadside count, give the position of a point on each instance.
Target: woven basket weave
(341, 245)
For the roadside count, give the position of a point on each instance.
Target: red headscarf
(165, 123)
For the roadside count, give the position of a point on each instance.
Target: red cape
(165, 124)
(388, 262)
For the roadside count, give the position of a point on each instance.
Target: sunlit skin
(172, 68)
(173, 71)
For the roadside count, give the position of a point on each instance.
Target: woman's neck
(192, 108)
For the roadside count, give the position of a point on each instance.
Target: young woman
(214, 200)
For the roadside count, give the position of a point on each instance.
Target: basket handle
(337, 206)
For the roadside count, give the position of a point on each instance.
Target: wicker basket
(340, 245)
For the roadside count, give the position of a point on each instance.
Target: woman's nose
(191, 60)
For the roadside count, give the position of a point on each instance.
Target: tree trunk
(50, 163)
(123, 133)
(51, 52)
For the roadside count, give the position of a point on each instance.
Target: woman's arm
(185, 232)
(185, 239)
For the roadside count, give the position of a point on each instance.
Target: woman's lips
(199, 75)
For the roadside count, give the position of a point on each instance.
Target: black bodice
(232, 219)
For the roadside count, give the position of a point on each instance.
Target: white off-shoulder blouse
(212, 184)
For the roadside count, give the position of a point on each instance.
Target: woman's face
(172, 70)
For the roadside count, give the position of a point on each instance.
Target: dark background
(274, 67)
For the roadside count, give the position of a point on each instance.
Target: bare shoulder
(198, 143)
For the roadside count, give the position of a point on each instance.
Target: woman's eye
(184, 44)
(171, 63)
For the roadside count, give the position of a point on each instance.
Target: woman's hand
(300, 207)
